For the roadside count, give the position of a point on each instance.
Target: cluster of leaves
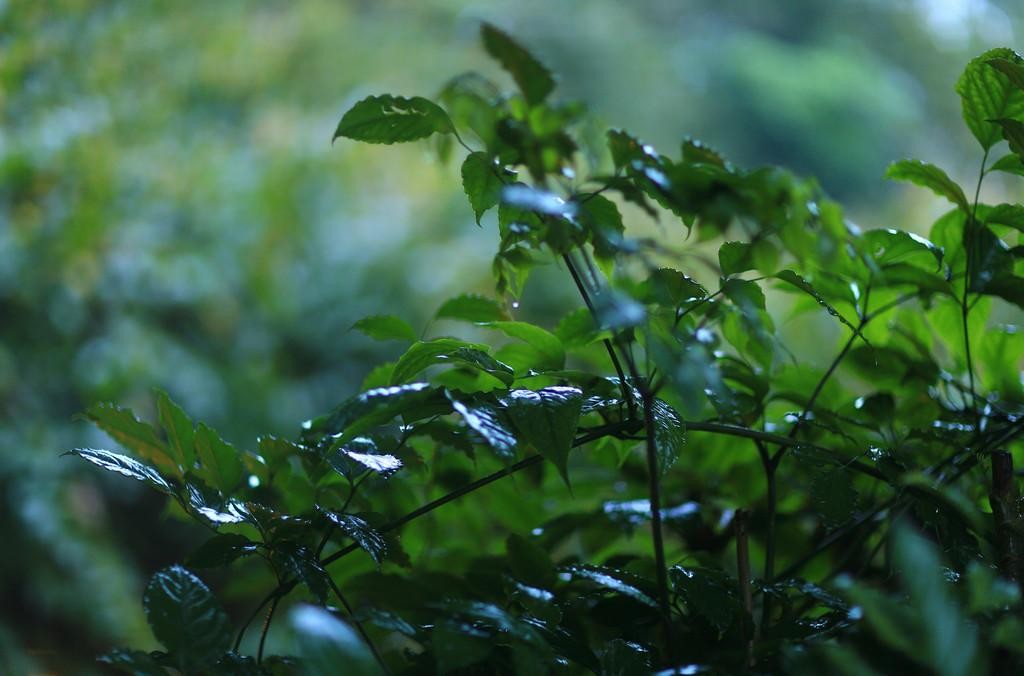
(788, 480)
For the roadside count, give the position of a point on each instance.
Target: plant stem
(278, 590)
(970, 228)
(359, 625)
(743, 572)
(769, 547)
(627, 394)
(654, 492)
(266, 627)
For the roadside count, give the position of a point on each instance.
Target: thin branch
(654, 492)
(965, 310)
(769, 547)
(266, 627)
(359, 625)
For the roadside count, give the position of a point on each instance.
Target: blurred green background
(173, 215)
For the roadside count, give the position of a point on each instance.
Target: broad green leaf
(179, 429)
(618, 581)
(301, 563)
(928, 176)
(1013, 132)
(221, 462)
(445, 351)
(833, 496)
(220, 550)
(673, 288)
(887, 246)
(136, 436)
(385, 327)
(488, 421)
(210, 506)
(456, 645)
(529, 562)
(1011, 164)
(799, 282)
(361, 532)
(186, 618)
(548, 347)
(1011, 215)
(669, 434)
(546, 419)
(709, 593)
(534, 80)
(481, 182)
(327, 645)
(376, 407)
(1012, 69)
(471, 307)
(735, 257)
(604, 222)
(393, 119)
(987, 94)
(122, 464)
(577, 329)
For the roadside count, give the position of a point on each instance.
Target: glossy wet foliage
(725, 505)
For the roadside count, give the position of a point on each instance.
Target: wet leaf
(134, 662)
(1013, 132)
(393, 119)
(735, 257)
(361, 532)
(488, 421)
(138, 437)
(449, 350)
(122, 464)
(669, 434)
(615, 580)
(186, 618)
(378, 406)
(179, 429)
(361, 454)
(546, 419)
(538, 201)
(549, 351)
(221, 550)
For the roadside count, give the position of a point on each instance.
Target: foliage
(669, 405)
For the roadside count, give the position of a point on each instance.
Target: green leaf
(928, 176)
(625, 658)
(136, 436)
(833, 497)
(735, 257)
(361, 532)
(1013, 132)
(385, 327)
(799, 282)
(1012, 69)
(302, 563)
(220, 550)
(673, 288)
(529, 562)
(328, 645)
(449, 350)
(488, 421)
(393, 119)
(987, 94)
(534, 80)
(186, 618)
(122, 464)
(1011, 215)
(709, 593)
(546, 419)
(179, 429)
(696, 152)
(669, 434)
(550, 353)
(481, 182)
(618, 581)
(886, 246)
(376, 407)
(471, 307)
(1011, 164)
(221, 462)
